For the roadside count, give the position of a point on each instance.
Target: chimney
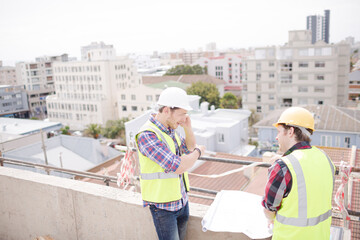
(204, 106)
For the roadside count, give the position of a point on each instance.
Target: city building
(319, 27)
(14, 102)
(297, 73)
(227, 68)
(37, 78)
(334, 127)
(87, 91)
(7, 75)
(189, 57)
(354, 86)
(98, 51)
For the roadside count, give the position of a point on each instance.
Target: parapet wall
(33, 205)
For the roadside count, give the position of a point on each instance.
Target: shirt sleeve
(153, 148)
(183, 147)
(278, 186)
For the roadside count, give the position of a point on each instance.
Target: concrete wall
(33, 205)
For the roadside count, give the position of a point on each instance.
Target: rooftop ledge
(34, 205)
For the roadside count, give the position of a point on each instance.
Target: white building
(37, 78)
(220, 130)
(7, 75)
(297, 73)
(87, 91)
(227, 68)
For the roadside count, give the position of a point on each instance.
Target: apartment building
(37, 78)
(87, 91)
(319, 27)
(189, 57)
(14, 102)
(7, 75)
(297, 73)
(354, 86)
(227, 68)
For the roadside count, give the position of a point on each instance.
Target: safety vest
(156, 185)
(306, 212)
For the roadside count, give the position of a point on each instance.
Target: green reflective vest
(306, 212)
(156, 185)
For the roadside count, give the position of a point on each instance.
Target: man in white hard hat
(164, 159)
(298, 193)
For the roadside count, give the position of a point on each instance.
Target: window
(347, 142)
(133, 108)
(319, 64)
(286, 66)
(302, 89)
(319, 89)
(258, 109)
(337, 141)
(133, 97)
(271, 97)
(326, 140)
(258, 87)
(124, 108)
(303, 77)
(271, 107)
(149, 98)
(286, 78)
(320, 102)
(258, 66)
(123, 96)
(221, 138)
(303, 64)
(320, 77)
(271, 64)
(271, 85)
(258, 76)
(258, 98)
(271, 75)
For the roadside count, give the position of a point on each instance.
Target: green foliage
(254, 117)
(251, 142)
(239, 101)
(92, 130)
(186, 69)
(115, 128)
(229, 101)
(65, 130)
(207, 91)
(34, 118)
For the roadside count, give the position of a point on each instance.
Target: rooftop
(189, 79)
(26, 126)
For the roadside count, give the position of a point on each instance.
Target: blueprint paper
(237, 211)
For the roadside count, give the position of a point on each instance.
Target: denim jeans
(170, 225)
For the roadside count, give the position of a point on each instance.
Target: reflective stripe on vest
(158, 175)
(302, 220)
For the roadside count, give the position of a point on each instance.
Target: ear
(291, 131)
(166, 110)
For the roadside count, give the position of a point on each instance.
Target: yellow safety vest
(156, 185)
(306, 212)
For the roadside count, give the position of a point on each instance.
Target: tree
(207, 91)
(115, 129)
(186, 69)
(65, 130)
(239, 101)
(254, 117)
(229, 101)
(92, 130)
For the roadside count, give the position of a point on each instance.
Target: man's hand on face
(187, 122)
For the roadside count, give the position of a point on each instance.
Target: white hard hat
(174, 97)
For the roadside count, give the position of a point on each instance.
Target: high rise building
(38, 81)
(319, 27)
(297, 73)
(88, 91)
(7, 75)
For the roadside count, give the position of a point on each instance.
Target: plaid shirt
(279, 181)
(151, 147)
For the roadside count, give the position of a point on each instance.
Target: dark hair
(299, 135)
(171, 108)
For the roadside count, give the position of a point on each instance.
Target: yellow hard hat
(297, 116)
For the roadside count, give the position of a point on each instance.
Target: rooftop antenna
(44, 150)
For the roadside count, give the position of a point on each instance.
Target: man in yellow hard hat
(164, 159)
(299, 190)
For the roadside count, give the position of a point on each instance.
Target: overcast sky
(32, 28)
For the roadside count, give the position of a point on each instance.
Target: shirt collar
(299, 145)
(168, 131)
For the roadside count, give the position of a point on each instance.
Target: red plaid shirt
(279, 181)
(151, 147)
